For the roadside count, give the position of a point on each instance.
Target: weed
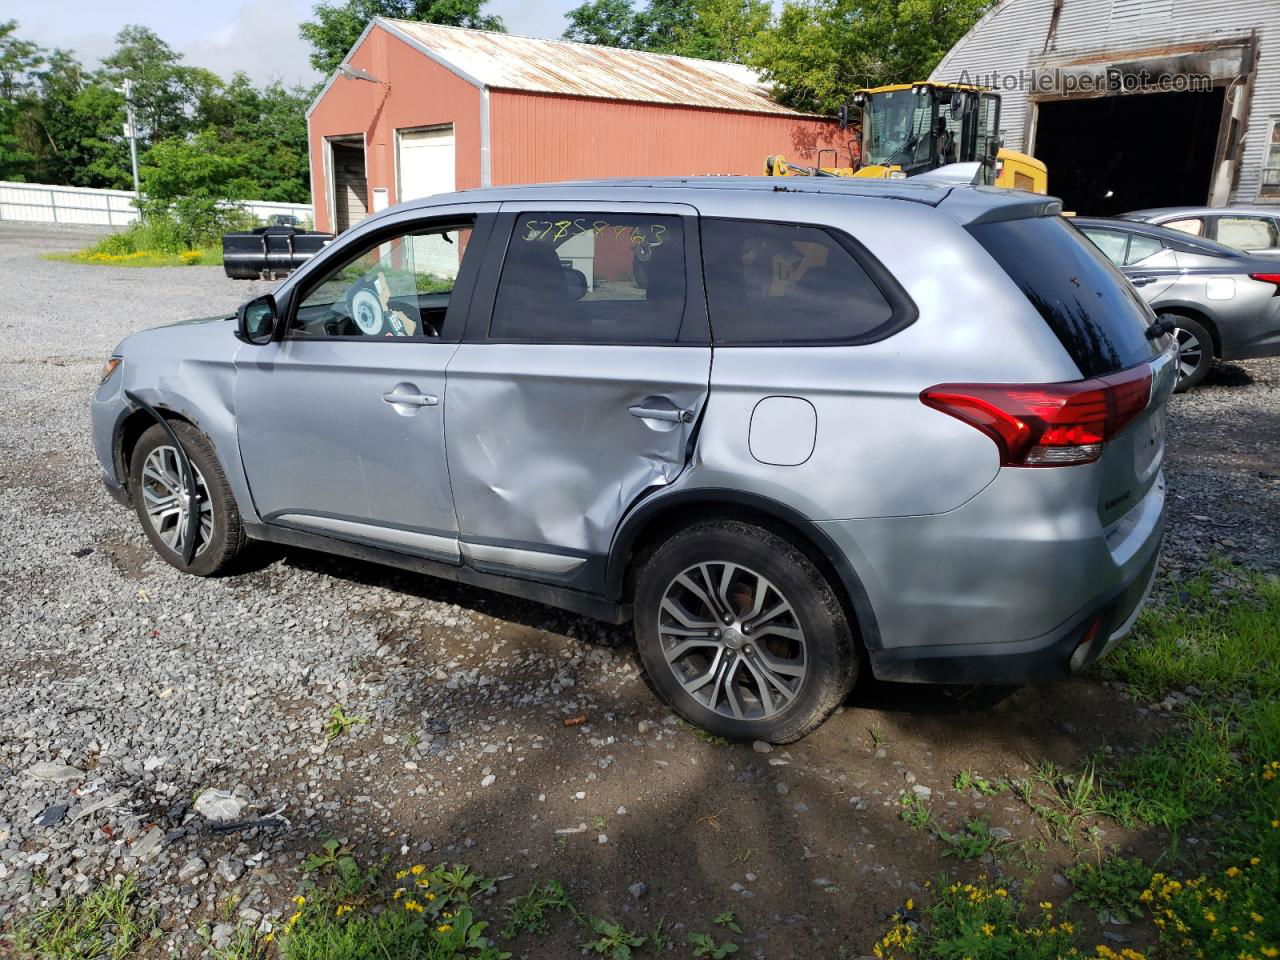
(613, 940)
(915, 812)
(528, 914)
(728, 920)
(704, 945)
(702, 736)
(877, 738)
(340, 722)
(104, 925)
(967, 780)
(245, 944)
(660, 939)
(598, 822)
(412, 739)
(981, 920)
(1112, 887)
(743, 855)
(428, 915)
(971, 841)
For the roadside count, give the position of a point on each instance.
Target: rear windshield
(1093, 310)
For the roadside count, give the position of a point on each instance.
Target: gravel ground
(150, 687)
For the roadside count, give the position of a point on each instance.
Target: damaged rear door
(580, 383)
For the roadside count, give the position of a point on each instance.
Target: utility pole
(130, 131)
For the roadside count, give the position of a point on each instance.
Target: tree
(819, 51)
(77, 128)
(191, 183)
(338, 25)
(19, 59)
(708, 29)
(163, 89)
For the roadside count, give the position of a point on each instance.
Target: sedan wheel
(167, 504)
(1195, 351)
(732, 640)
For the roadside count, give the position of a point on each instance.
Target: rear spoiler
(992, 204)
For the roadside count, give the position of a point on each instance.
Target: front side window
(1247, 233)
(783, 283)
(592, 278)
(399, 287)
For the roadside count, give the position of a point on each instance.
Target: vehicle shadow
(1225, 374)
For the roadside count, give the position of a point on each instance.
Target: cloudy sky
(257, 36)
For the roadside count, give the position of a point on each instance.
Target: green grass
(104, 925)
(529, 913)
(208, 256)
(1217, 771)
(1220, 644)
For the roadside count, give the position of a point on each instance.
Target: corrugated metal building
(417, 109)
(1136, 103)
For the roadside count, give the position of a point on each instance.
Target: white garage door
(426, 162)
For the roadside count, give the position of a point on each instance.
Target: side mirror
(959, 104)
(257, 320)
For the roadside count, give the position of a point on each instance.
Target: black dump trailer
(269, 252)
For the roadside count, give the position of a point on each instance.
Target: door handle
(1141, 281)
(412, 399)
(655, 413)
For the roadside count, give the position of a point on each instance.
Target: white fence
(42, 203)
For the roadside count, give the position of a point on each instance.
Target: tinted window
(590, 277)
(1094, 312)
(781, 283)
(399, 287)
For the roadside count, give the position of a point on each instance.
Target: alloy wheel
(732, 640)
(1190, 351)
(165, 500)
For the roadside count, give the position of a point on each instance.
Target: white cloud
(261, 39)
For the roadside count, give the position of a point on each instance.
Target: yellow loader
(909, 129)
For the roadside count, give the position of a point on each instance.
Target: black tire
(1191, 335)
(227, 537)
(830, 653)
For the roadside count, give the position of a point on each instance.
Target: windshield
(895, 127)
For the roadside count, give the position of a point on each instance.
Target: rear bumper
(1023, 583)
(1073, 648)
(1254, 337)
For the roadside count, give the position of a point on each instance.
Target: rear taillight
(1268, 278)
(1047, 424)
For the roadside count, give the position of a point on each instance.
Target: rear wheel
(741, 633)
(161, 502)
(1195, 351)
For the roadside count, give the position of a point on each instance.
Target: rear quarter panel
(878, 451)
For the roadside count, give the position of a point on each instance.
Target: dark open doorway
(1111, 154)
(349, 183)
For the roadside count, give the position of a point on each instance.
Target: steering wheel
(364, 306)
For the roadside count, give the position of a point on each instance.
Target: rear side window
(592, 278)
(770, 283)
(1095, 313)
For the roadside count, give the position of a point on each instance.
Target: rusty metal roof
(505, 61)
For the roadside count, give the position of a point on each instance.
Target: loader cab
(908, 129)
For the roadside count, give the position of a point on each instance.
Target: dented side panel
(544, 448)
(186, 369)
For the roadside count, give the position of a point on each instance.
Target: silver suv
(793, 432)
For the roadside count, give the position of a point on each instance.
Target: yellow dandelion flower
(1001, 892)
(1233, 871)
(343, 908)
(988, 929)
(910, 903)
(401, 874)
(1254, 861)
(417, 869)
(444, 927)
(300, 900)
(1046, 905)
(397, 895)
(413, 905)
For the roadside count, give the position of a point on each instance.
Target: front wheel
(742, 634)
(1195, 351)
(162, 504)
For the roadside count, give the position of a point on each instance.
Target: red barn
(417, 109)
